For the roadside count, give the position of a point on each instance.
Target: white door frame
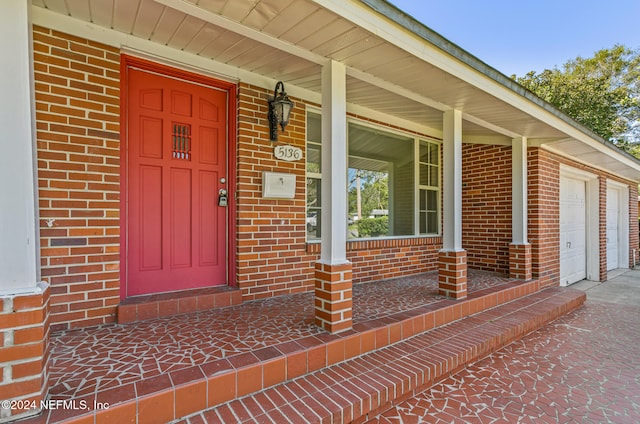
(623, 221)
(592, 210)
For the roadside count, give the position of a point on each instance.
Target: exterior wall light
(279, 110)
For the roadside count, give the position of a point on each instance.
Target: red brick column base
(520, 261)
(452, 274)
(24, 352)
(333, 297)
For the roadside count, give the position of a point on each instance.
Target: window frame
(437, 189)
(312, 175)
(417, 140)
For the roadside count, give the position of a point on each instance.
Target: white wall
(19, 242)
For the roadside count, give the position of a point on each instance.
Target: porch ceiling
(391, 66)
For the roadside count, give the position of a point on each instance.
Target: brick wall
(271, 245)
(273, 257)
(24, 352)
(544, 213)
(378, 259)
(77, 102)
(634, 237)
(602, 228)
(77, 112)
(486, 206)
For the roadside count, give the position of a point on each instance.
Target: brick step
(183, 392)
(361, 388)
(140, 308)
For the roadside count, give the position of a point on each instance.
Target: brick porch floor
(166, 368)
(86, 361)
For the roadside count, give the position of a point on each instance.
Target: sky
(517, 36)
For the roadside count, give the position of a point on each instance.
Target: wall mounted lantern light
(279, 110)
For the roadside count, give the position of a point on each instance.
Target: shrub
(373, 227)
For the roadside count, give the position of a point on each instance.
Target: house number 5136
(288, 153)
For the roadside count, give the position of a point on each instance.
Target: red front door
(177, 232)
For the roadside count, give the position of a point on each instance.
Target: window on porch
(314, 175)
(388, 194)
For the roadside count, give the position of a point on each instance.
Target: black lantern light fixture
(279, 110)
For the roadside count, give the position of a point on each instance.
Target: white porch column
(19, 244)
(519, 249)
(333, 310)
(519, 190)
(334, 164)
(452, 180)
(24, 301)
(452, 267)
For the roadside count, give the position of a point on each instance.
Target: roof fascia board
(602, 147)
(444, 54)
(452, 59)
(549, 144)
(147, 48)
(634, 175)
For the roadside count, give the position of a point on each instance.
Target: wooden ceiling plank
(102, 12)
(264, 13)
(201, 40)
(79, 9)
(125, 14)
(167, 25)
(224, 41)
(148, 16)
(58, 6)
(238, 10)
(289, 18)
(185, 33)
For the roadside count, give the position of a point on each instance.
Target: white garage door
(613, 219)
(573, 247)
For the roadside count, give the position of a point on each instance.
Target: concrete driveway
(622, 288)
(581, 368)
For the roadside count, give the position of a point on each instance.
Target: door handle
(568, 245)
(222, 198)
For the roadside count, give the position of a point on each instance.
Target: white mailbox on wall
(276, 185)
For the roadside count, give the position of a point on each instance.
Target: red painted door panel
(177, 234)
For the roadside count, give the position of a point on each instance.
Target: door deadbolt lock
(222, 197)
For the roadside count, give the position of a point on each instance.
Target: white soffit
(392, 68)
(622, 166)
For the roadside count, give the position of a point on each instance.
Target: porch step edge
(185, 302)
(214, 383)
(364, 387)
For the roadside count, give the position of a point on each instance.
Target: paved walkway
(584, 367)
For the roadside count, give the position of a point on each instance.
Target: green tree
(374, 191)
(601, 92)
